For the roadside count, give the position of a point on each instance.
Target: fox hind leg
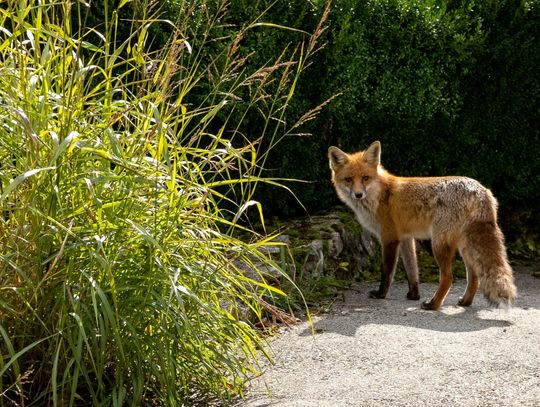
(472, 279)
(444, 255)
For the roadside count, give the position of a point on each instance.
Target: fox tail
(485, 253)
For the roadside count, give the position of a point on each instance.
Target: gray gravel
(368, 352)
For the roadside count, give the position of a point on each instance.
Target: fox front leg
(390, 257)
(408, 255)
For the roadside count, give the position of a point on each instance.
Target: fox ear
(372, 155)
(337, 157)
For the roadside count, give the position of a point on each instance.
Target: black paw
(463, 303)
(413, 295)
(428, 305)
(376, 294)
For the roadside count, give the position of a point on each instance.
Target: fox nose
(359, 195)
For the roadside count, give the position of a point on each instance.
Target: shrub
(448, 87)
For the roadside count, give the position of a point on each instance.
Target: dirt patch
(367, 352)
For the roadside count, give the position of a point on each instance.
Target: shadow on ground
(459, 320)
(357, 310)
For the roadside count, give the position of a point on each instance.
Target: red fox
(456, 213)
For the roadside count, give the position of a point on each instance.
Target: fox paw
(376, 294)
(413, 295)
(463, 303)
(429, 306)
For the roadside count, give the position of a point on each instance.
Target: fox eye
(348, 179)
(365, 178)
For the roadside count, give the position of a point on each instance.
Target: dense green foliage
(122, 181)
(448, 88)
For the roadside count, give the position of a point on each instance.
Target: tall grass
(120, 280)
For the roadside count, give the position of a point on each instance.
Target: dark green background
(448, 87)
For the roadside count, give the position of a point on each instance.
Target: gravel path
(368, 352)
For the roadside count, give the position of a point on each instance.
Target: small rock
(335, 245)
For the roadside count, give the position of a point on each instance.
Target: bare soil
(369, 352)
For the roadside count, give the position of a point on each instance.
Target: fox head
(354, 175)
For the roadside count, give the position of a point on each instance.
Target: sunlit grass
(119, 269)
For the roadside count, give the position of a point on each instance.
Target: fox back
(409, 205)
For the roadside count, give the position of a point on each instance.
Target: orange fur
(456, 213)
